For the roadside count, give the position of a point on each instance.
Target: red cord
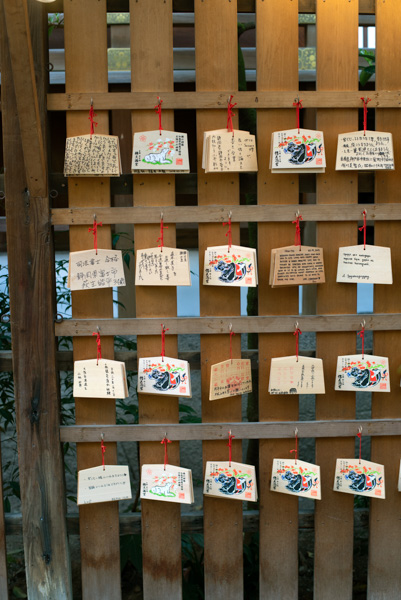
(103, 447)
(161, 238)
(158, 109)
(297, 333)
(296, 447)
(230, 115)
(165, 441)
(229, 233)
(297, 241)
(91, 119)
(365, 114)
(298, 105)
(363, 228)
(163, 342)
(94, 231)
(230, 445)
(99, 346)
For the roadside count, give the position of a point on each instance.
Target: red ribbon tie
(158, 109)
(230, 445)
(363, 228)
(298, 106)
(165, 441)
(163, 342)
(297, 333)
(94, 231)
(99, 346)
(230, 114)
(365, 113)
(229, 233)
(297, 241)
(161, 238)
(91, 119)
(103, 447)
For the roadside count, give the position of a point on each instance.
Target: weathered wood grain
(3, 546)
(30, 263)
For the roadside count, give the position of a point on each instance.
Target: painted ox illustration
(164, 380)
(361, 482)
(232, 485)
(230, 272)
(302, 153)
(366, 377)
(298, 483)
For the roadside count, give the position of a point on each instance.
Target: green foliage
(369, 71)
(54, 20)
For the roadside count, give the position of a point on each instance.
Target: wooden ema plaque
(359, 477)
(160, 152)
(296, 265)
(100, 378)
(362, 373)
(235, 481)
(229, 151)
(167, 484)
(297, 478)
(103, 484)
(92, 156)
(167, 266)
(297, 151)
(234, 267)
(168, 376)
(359, 152)
(88, 269)
(291, 376)
(230, 378)
(364, 264)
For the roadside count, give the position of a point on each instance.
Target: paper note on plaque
(359, 477)
(92, 156)
(101, 378)
(170, 377)
(234, 268)
(169, 266)
(296, 265)
(237, 481)
(371, 264)
(230, 378)
(103, 484)
(294, 151)
(230, 151)
(289, 376)
(206, 134)
(296, 477)
(168, 484)
(160, 152)
(88, 270)
(360, 152)
(365, 373)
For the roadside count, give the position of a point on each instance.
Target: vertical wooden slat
(152, 70)
(277, 69)
(3, 546)
(216, 69)
(86, 71)
(384, 575)
(337, 69)
(30, 260)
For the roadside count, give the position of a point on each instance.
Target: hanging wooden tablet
(359, 477)
(297, 151)
(206, 134)
(168, 376)
(91, 269)
(167, 483)
(296, 477)
(233, 266)
(236, 481)
(92, 156)
(296, 265)
(230, 152)
(103, 484)
(362, 373)
(162, 266)
(291, 376)
(100, 378)
(359, 152)
(364, 264)
(160, 152)
(230, 378)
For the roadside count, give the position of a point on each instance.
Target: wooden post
(337, 37)
(278, 512)
(31, 272)
(216, 69)
(384, 576)
(3, 546)
(85, 29)
(152, 69)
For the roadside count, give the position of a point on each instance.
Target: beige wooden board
(167, 266)
(229, 378)
(296, 477)
(296, 265)
(297, 151)
(205, 145)
(230, 152)
(359, 152)
(296, 375)
(166, 376)
(167, 483)
(89, 269)
(230, 267)
(103, 484)
(359, 477)
(362, 373)
(160, 152)
(234, 481)
(364, 264)
(92, 155)
(100, 379)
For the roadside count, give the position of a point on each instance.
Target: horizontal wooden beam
(221, 325)
(219, 431)
(211, 100)
(218, 214)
